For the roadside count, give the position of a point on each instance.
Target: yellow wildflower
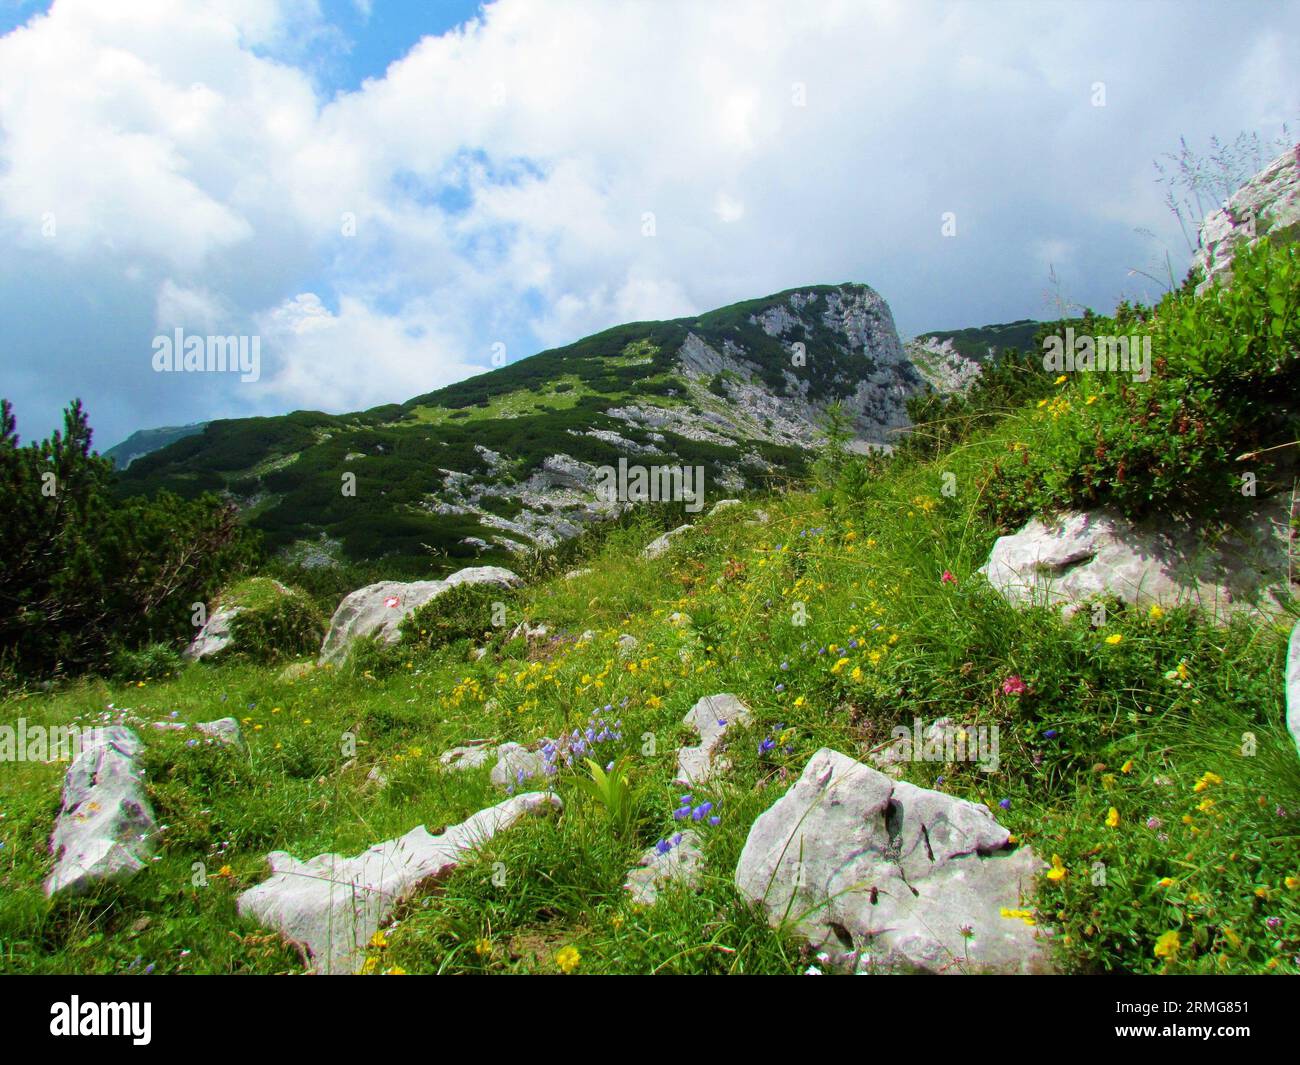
(1167, 945)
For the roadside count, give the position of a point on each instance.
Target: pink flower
(948, 577)
(1013, 685)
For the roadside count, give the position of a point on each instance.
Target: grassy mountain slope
(981, 343)
(886, 639)
(622, 392)
(146, 441)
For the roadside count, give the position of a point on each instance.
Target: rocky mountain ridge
(506, 462)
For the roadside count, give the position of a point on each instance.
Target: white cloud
(498, 175)
(354, 359)
(195, 309)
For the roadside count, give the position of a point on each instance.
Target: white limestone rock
(681, 863)
(331, 906)
(711, 717)
(659, 546)
(105, 830)
(885, 876)
(1086, 556)
(470, 756)
(379, 609)
(516, 765)
(1267, 205)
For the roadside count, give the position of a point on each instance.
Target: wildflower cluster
(583, 742)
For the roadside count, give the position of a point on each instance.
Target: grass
(1156, 768)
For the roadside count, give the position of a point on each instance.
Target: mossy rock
(261, 620)
(466, 612)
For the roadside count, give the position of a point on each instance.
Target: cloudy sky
(387, 192)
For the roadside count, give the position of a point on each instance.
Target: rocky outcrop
(711, 717)
(885, 876)
(379, 609)
(1267, 205)
(1085, 556)
(944, 368)
(106, 826)
(331, 907)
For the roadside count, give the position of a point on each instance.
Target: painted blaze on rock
(883, 875)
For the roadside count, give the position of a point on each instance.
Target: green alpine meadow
(827, 632)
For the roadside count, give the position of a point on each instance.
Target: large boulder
(259, 618)
(1267, 205)
(106, 826)
(331, 906)
(884, 876)
(1293, 686)
(1083, 556)
(379, 609)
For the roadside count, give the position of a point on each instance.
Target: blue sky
(386, 193)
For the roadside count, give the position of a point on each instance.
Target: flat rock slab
(710, 717)
(379, 609)
(331, 906)
(224, 730)
(1293, 686)
(884, 876)
(1088, 555)
(471, 756)
(106, 827)
(681, 863)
